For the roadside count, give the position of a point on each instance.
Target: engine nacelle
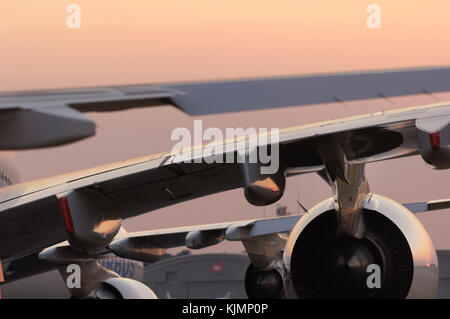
(433, 138)
(263, 284)
(92, 219)
(318, 263)
(123, 288)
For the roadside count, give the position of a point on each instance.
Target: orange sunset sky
(142, 41)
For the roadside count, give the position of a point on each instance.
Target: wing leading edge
(58, 110)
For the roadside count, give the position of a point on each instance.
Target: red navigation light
(435, 140)
(67, 216)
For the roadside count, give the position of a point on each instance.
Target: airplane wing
(53, 117)
(149, 246)
(38, 214)
(201, 236)
(432, 205)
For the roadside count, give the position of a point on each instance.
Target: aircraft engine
(263, 284)
(92, 219)
(394, 259)
(123, 288)
(433, 138)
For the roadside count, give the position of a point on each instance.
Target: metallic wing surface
(44, 118)
(87, 206)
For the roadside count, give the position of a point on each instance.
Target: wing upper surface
(206, 97)
(24, 114)
(148, 183)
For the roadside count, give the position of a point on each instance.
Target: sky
(162, 41)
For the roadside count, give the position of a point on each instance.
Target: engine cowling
(92, 219)
(319, 263)
(433, 139)
(123, 288)
(263, 284)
